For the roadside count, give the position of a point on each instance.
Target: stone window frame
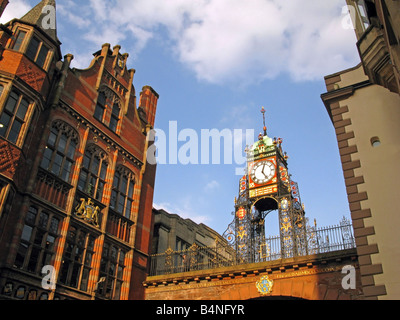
(127, 194)
(95, 166)
(59, 129)
(111, 274)
(78, 258)
(109, 111)
(13, 114)
(39, 239)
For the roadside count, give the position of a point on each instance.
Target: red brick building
(76, 190)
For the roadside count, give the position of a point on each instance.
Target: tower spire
(43, 15)
(264, 127)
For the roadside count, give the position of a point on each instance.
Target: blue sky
(214, 64)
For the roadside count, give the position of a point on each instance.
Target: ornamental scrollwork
(123, 171)
(110, 95)
(66, 129)
(97, 152)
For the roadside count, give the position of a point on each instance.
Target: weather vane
(264, 128)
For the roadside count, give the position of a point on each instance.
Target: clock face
(262, 172)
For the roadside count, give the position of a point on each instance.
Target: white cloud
(211, 186)
(319, 44)
(224, 41)
(141, 36)
(234, 40)
(240, 117)
(75, 18)
(244, 41)
(101, 9)
(183, 208)
(15, 9)
(112, 32)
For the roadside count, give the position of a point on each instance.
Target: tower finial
(263, 113)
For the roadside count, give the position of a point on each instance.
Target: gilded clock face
(262, 172)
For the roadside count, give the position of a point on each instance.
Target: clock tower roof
(262, 141)
(265, 144)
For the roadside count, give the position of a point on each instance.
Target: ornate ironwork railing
(194, 258)
(314, 241)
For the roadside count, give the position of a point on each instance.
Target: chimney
(148, 102)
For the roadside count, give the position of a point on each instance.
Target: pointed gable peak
(43, 15)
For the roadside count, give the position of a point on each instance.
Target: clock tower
(264, 189)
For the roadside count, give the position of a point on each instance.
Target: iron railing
(314, 241)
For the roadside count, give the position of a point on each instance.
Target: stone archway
(265, 203)
(318, 288)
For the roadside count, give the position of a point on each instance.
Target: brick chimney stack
(148, 102)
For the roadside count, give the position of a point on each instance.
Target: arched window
(92, 178)
(59, 154)
(108, 108)
(122, 192)
(20, 293)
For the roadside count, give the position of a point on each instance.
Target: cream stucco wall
(375, 112)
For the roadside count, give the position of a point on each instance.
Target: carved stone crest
(88, 211)
(264, 285)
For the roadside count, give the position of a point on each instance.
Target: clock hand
(263, 171)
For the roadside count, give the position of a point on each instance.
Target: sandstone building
(364, 105)
(172, 231)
